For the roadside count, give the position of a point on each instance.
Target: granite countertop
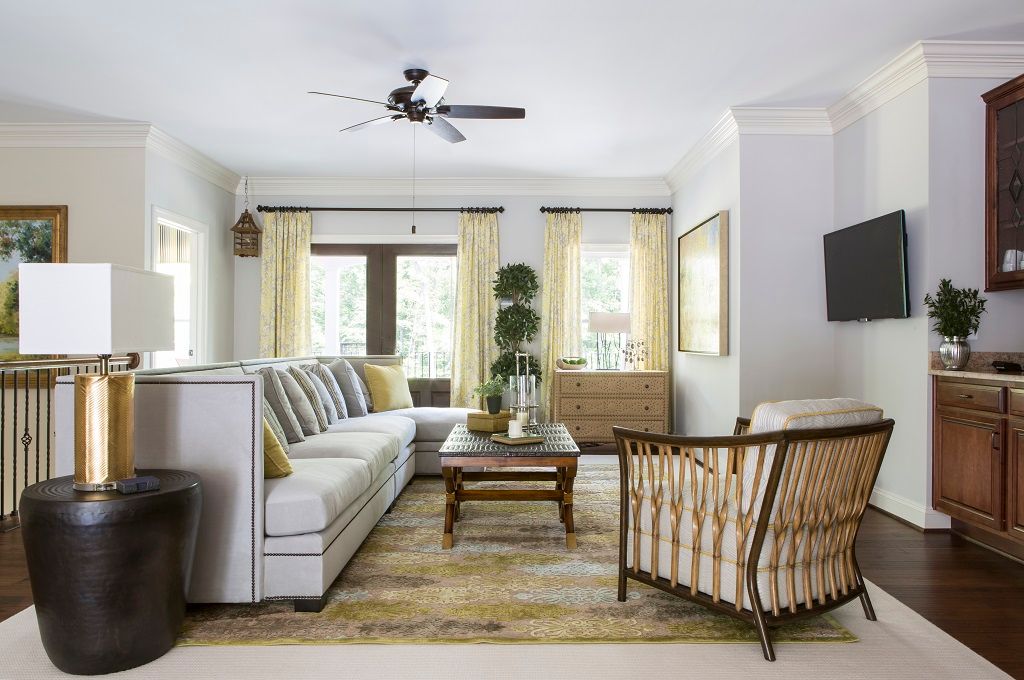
(979, 367)
(978, 374)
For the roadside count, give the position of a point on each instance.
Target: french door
(177, 251)
(386, 299)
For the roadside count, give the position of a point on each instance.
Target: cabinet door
(1015, 508)
(968, 470)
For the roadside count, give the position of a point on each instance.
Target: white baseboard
(904, 508)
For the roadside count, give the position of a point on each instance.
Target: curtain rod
(294, 208)
(643, 211)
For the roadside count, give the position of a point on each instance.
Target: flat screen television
(866, 270)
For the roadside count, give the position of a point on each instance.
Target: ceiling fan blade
(358, 99)
(445, 130)
(429, 91)
(492, 112)
(369, 123)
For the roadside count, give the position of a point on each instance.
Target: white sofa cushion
(314, 495)
(374, 448)
(400, 426)
(433, 424)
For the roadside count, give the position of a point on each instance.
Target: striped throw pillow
(309, 390)
(273, 392)
(321, 371)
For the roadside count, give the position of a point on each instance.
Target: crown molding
(73, 135)
(188, 158)
(766, 120)
(130, 135)
(923, 60)
(458, 186)
(723, 133)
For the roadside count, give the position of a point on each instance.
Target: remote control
(138, 484)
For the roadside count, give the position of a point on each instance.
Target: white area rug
(900, 645)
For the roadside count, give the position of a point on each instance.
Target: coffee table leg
(559, 477)
(449, 507)
(570, 527)
(458, 487)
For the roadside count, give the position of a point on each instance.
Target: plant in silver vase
(957, 314)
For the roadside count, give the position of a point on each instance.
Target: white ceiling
(611, 88)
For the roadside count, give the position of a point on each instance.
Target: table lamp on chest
(102, 310)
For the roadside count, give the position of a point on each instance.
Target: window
(604, 274)
(386, 299)
(177, 252)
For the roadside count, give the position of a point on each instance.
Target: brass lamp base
(104, 430)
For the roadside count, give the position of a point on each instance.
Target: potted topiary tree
(515, 287)
(957, 313)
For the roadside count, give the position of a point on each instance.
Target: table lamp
(99, 309)
(603, 323)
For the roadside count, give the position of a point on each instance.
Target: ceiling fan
(423, 102)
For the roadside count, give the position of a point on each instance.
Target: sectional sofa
(271, 539)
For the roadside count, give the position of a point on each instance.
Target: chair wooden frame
(815, 491)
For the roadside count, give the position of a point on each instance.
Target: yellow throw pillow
(388, 387)
(275, 461)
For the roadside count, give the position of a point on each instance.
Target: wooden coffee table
(465, 448)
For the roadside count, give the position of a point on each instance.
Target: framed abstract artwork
(703, 287)
(28, 233)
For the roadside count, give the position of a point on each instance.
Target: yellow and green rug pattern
(509, 579)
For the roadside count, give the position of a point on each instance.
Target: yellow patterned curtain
(560, 305)
(648, 266)
(284, 285)
(475, 306)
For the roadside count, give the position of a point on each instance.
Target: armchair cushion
(806, 414)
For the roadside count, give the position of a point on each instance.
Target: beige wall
(103, 189)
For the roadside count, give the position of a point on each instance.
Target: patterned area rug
(509, 579)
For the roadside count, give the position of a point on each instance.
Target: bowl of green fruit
(572, 363)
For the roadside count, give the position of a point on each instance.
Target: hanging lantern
(246, 232)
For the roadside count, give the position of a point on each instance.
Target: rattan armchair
(762, 527)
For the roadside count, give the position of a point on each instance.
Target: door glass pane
(604, 274)
(338, 300)
(425, 314)
(174, 256)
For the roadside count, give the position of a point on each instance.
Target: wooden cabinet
(589, 403)
(1015, 451)
(969, 477)
(978, 459)
(1004, 186)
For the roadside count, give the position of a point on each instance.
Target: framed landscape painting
(28, 233)
(703, 287)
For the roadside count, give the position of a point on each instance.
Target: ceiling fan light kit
(422, 101)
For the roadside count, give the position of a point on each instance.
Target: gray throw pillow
(273, 392)
(275, 425)
(324, 394)
(348, 381)
(367, 397)
(300, 404)
(320, 371)
(312, 396)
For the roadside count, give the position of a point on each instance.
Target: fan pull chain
(414, 179)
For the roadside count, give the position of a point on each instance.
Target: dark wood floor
(971, 593)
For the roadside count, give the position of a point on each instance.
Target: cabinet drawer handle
(966, 396)
(647, 408)
(577, 384)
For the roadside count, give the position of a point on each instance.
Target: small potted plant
(492, 391)
(957, 313)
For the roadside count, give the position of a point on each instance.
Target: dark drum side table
(110, 572)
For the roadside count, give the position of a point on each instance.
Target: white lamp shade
(608, 322)
(93, 309)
